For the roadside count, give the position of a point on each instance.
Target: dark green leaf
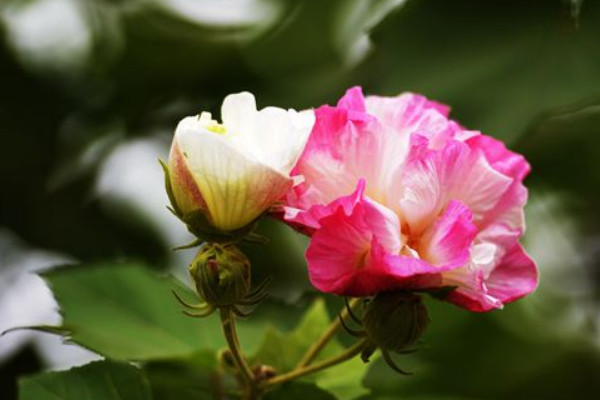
(499, 63)
(299, 391)
(189, 379)
(102, 380)
(128, 312)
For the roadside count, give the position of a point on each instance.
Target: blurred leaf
(576, 128)
(282, 258)
(192, 378)
(476, 357)
(283, 350)
(299, 391)
(102, 380)
(499, 63)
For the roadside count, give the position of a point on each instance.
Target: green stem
(348, 354)
(228, 322)
(329, 333)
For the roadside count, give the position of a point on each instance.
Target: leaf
(128, 312)
(101, 380)
(283, 350)
(192, 378)
(499, 63)
(299, 391)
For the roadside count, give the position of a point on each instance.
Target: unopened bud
(221, 273)
(394, 321)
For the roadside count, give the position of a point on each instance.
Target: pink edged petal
(516, 276)
(473, 300)
(408, 110)
(425, 181)
(500, 158)
(309, 220)
(434, 177)
(448, 240)
(509, 209)
(353, 100)
(499, 272)
(384, 271)
(339, 153)
(357, 254)
(470, 293)
(479, 186)
(342, 245)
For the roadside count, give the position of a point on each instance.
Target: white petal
(238, 113)
(282, 136)
(236, 187)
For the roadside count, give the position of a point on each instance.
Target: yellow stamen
(210, 124)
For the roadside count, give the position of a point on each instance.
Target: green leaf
(102, 380)
(299, 391)
(193, 378)
(127, 312)
(283, 350)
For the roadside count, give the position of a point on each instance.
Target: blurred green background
(90, 92)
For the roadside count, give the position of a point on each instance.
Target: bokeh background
(90, 92)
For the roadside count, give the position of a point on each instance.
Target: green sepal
(441, 293)
(199, 225)
(169, 188)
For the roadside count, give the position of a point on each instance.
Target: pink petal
(310, 219)
(342, 244)
(432, 178)
(508, 275)
(500, 158)
(356, 254)
(448, 241)
(353, 100)
(515, 276)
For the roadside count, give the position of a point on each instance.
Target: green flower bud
(221, 273)
(395, 320)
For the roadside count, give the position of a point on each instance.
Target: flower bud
(221, 177)
(221, 273)
(395, 320)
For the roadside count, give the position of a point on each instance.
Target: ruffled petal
(499, 271)
(448, 240)
(432, 178)
(309, 220)
(341, 246)
(516, 276)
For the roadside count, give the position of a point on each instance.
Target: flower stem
(228, 323)
(331, 330)
(348, 354)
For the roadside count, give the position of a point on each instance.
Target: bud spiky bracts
(393, 322)
(221, 274)
(222, 277)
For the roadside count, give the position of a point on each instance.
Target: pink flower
(397, 196)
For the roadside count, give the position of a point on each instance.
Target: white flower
(236, 170)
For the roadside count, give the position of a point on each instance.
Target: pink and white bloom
(397, 196)
(235, 170)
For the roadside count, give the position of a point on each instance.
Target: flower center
(210, 124)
